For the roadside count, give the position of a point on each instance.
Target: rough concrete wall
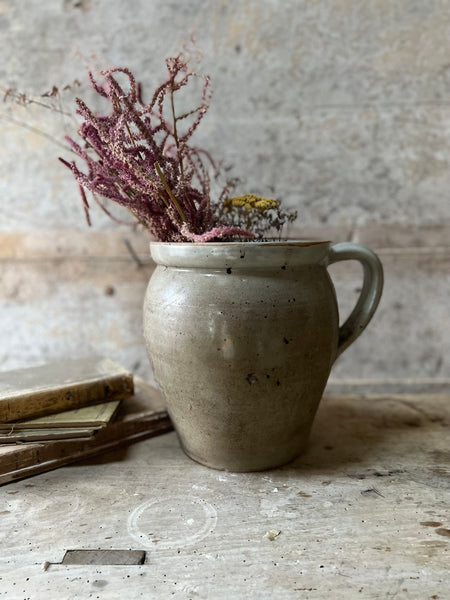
(341, 108)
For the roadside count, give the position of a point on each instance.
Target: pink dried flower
(140, 157)
(137, 157)
(217, 233)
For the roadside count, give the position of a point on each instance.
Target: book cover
(61, 386)
(81, 422)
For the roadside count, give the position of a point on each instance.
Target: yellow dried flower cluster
(251, 202)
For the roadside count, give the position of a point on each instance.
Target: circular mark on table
(172, 522)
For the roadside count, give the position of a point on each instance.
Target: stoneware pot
(241, 338)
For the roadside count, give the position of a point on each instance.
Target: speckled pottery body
(242, 337)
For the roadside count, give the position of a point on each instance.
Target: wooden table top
(364, 513)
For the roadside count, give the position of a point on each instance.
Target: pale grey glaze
(242, 337)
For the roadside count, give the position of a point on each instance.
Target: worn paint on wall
(342, 109)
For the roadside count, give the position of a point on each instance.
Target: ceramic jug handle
(370, 294)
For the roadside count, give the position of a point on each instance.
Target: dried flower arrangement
(140, 157)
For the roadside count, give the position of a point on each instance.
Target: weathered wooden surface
(363, 514)
(340, 108)
(85, 294)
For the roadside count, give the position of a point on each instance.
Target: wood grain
(94, 300)
(361, 515)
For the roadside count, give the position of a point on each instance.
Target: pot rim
(229, 255)
(288, 242)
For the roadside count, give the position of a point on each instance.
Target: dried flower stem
(169, 192)
(175, 133)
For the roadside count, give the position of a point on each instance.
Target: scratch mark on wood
(443, 531)
(371, 492)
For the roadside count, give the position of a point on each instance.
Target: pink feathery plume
(217, 233)
(139, 156)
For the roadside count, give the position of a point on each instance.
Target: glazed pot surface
(241, 338)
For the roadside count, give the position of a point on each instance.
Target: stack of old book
(68, 411)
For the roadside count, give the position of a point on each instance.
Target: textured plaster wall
(341, 108)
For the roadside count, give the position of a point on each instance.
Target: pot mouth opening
(269, 242)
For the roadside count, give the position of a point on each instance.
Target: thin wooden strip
(414, 250)
(72, 244)
(115, 245)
